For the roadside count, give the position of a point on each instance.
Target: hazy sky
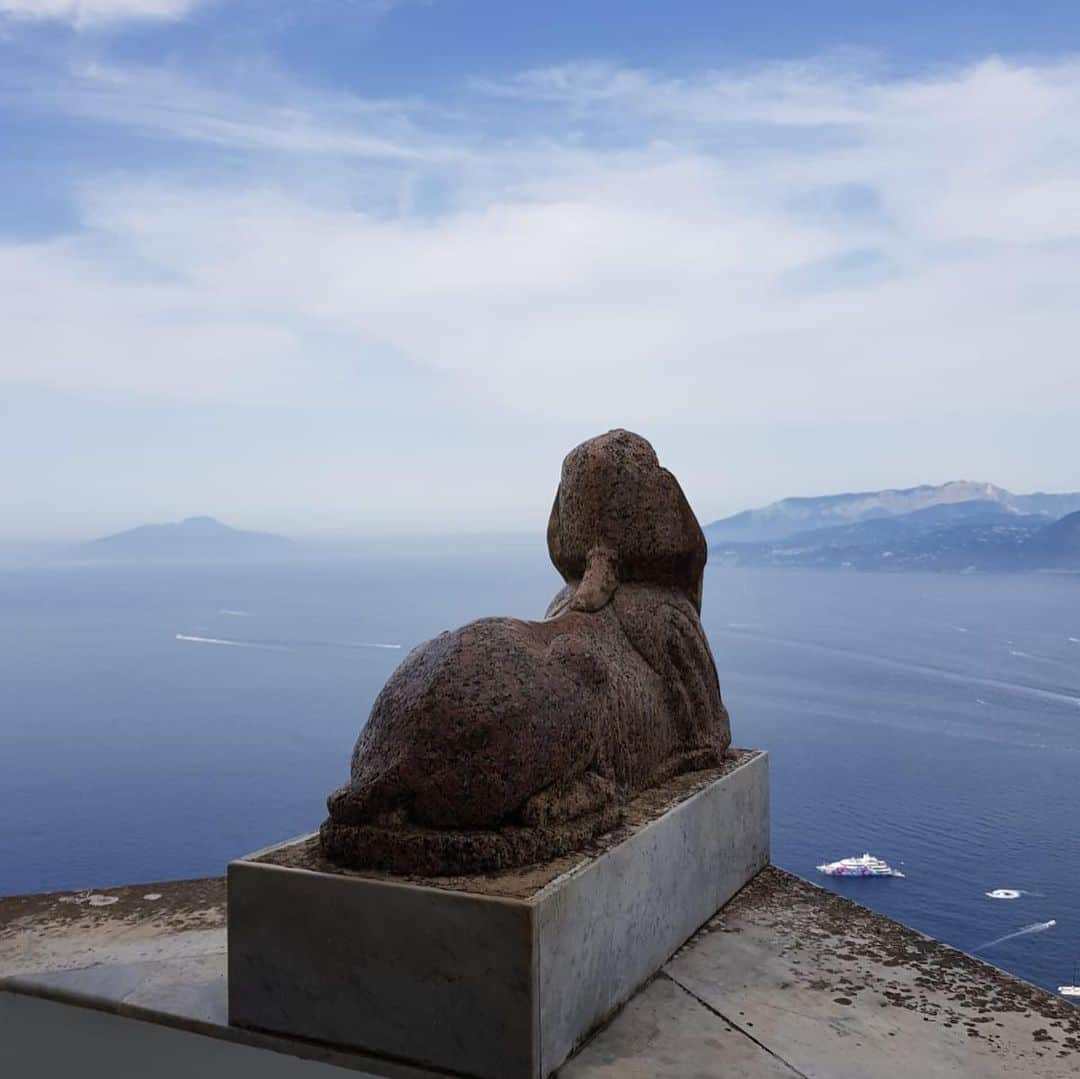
(343, 267)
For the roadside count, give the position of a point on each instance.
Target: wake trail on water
(283, 646)
(942, 673)
(232, 644)
(1027, 930)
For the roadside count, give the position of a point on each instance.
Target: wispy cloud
(91, 13)
(260, 112)
(265, 116)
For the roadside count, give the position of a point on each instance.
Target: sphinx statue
(508, 742)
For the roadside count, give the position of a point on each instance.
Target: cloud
(580, 247)
(671, 260)
(93, 13)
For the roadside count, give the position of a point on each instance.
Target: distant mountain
(979, 535)
(957, 500)
(897, 530)
(195, 539)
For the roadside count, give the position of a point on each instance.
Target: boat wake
(1010, 893)
(940, 673)
(283, 646)
(1027, 930)
(232, 644)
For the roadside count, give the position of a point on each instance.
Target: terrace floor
(787, 980)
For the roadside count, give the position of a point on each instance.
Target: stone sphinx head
(618, 516)
(507, 742)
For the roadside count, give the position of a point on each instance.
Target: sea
(157, 721)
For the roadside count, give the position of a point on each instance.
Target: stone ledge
(778, 956)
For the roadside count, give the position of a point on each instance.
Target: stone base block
(501, 976)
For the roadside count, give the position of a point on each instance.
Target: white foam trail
(941, 673)
(1010, 893)
(1023, 655)
(231, 644)
(283, 646)
(960, 629)
(1036, 927)
(235, 614)
(1075, 640)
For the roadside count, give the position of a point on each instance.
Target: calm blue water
(933, 720)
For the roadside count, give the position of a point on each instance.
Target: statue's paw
(338, 803)
(365, 805)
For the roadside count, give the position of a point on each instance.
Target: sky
(349, 267)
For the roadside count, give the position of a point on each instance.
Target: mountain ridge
(791, 516)
(994, 540)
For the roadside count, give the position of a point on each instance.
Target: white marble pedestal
(493, 977)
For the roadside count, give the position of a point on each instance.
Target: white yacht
(865, 866)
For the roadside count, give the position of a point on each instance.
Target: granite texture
(507, 742)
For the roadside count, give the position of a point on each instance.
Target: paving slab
(665, 1033)
(127, 924)
(836, 990)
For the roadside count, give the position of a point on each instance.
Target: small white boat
(865, 866)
